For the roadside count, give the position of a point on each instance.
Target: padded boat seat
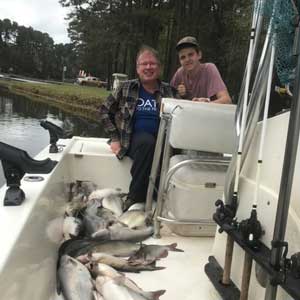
(201, 126)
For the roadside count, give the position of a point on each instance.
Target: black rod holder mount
(55, 133)
(16, 162)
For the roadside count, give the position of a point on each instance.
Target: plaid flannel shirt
(117, 111)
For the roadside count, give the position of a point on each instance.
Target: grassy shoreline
(79, 100)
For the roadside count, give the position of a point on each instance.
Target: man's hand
(181, 90)
(201, 99)
(115, 147)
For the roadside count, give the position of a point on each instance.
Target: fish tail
(173, 246)
(152, 268)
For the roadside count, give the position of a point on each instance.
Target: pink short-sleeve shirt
(206, 81)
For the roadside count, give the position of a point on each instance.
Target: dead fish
(121, 264)
(75, 279)
(54, 230)
(71, 227)
(107, 214)
(116, 289)
(93, 224)
(137, 206)
(104, 193)
(97, 295)
(110, 199)
(99, 269)
(77, 246)
(124, 233)
(92, 207)
(135, 218)
(111, 289)
(113, 203)
(82, 186)
(116, 248)
(77, 204)
(154, 252)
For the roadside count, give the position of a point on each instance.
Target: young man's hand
(115, 147)
(181, 90)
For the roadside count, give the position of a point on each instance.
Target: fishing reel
(294, 265)
(286, 265)
(224, 216)
(251, 230)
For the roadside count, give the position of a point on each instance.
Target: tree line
(32, 53)
(106, 35)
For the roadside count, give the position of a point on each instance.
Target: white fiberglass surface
(184, 276)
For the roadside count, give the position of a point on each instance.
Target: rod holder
(55, 133)
(16, 162)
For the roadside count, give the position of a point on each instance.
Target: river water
(20, 124)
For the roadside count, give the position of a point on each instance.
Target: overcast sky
(43, 15)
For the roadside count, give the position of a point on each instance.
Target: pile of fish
(101, 242)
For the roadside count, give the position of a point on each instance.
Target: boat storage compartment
(192, 193)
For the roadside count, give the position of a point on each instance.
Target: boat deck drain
(33, 178)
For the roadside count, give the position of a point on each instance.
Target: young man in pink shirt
(197, 81)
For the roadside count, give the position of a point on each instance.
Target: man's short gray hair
(146, 48)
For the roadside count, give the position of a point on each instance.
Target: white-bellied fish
(110, 199)
(100, 269)
(75, 279)
(154, 252)
(135, 219)
(71, 227)
(119, 263)
(116, 289)
(121, 233)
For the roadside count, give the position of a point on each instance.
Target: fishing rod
(284, 197)
(230, 241)
(251, 228)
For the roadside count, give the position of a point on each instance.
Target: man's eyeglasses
(150, 64)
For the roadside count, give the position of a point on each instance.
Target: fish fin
(156, 268)
(173, 246)
(130, 269)
(156, 294)
(58, 282)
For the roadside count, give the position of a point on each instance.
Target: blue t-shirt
(146, 115)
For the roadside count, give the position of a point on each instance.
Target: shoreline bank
(78, 100)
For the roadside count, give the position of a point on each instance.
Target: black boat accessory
(16, 162)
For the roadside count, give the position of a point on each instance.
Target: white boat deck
(184, 276)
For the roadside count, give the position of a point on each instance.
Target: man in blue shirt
(131, 118)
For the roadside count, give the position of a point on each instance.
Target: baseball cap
(187, 41)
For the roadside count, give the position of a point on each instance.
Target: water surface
(20, 124)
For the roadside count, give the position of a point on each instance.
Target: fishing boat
(238, 222)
